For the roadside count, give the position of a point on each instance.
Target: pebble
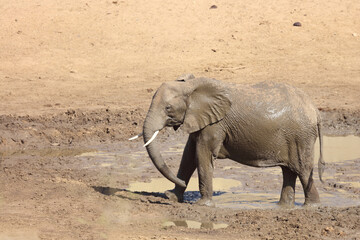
(297, 24)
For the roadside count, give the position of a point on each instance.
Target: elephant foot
(287, 200)
(312, 199)
(173, 196)
(205, 202)
(286, 205)
(311, 203)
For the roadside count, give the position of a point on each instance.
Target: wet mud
(106, 188)
(233, 190)
(195, 224)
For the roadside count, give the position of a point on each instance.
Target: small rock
(355, 34)
(213, 50)
(297, 24)
(70, 112)
(213, 7)
(327, 230)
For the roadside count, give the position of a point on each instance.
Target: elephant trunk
(153, 123)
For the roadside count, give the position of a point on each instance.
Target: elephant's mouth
(173, 123)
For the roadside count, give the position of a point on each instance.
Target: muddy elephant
(262, 125)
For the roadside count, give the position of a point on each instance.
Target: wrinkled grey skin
(264, 125)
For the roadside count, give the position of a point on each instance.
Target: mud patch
(235, 185)
(228, 194)
(162, 184)
(195, 224)
(269, 200)
(46, 152)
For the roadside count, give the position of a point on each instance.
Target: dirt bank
(76, 128)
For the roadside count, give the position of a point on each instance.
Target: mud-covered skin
(264, 125)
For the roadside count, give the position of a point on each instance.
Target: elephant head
(189, 102)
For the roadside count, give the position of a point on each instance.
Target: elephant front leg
(186, 169)
(205, 165)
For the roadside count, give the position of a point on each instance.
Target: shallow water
(231, 188)
(338, 149)
(268, 200)
(228, 194)
(162, 184)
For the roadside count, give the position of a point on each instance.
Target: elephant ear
(208, 103)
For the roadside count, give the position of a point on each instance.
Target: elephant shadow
(151, 197)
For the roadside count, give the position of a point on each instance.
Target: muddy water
(239, 186)
(228, 193)
(162, 184)
(338, 149)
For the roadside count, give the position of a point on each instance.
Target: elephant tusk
(152, 138)
(135, 137)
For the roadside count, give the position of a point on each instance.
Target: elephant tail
(321, 162)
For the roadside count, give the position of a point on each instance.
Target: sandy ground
(77, 76)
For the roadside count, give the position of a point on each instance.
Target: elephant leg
(310, 192)
(186, 169)
(287, 197)
(305, 157)
(204, 160)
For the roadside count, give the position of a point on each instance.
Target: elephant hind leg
(287, 197)
(306, 167)
(302, 158)
(310, 192)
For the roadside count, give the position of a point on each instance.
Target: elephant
(262, 125)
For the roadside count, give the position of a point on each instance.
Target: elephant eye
(168, 108)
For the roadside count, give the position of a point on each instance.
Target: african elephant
(263, 125)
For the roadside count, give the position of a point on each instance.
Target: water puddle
(228, 193)
(337, 149)
(162, 184)
(243, 187)
(269, 200)
(195, 224)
